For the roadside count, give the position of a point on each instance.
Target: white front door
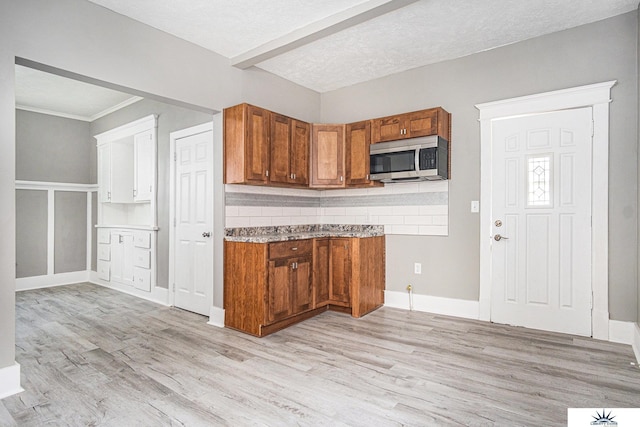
(541, 221)
(193, 238)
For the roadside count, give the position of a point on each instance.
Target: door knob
(206, 234)
(498, 237)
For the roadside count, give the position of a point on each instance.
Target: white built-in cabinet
(127, 213)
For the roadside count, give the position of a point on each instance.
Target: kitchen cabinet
(143, 166)
(349, 274)
(289, 285)
(269, 286)
(126, 169)
(327, 156)
(127, 214)
(125, 257)
(262, 147)
(122, 257)
(433, 121)
(321, 256)
(357, 142)
(246, 145)
(116, 170)
(340, 272)
(289, 158)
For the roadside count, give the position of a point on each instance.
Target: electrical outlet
(417, 268)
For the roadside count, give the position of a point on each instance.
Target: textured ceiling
(425, 32)
(416, 33)
(51, 94)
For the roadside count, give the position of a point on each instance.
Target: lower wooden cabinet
(269, 286)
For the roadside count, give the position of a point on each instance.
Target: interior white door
(541, 220)
(193, 254)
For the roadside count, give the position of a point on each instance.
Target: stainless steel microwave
(415, 159)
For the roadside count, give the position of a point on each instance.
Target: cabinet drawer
(141, 258)
(142, 239)
(104, 252)
(290, 248)
(104, 270)
(104, 235)
(142, 279)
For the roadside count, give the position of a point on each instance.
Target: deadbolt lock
(498, 223)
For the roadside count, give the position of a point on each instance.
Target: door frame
(597, 96)
(173, 136)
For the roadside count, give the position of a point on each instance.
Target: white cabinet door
(104, 172)
(143, 166)
(121, 172)
(122, 257)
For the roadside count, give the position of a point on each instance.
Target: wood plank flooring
(91, 356)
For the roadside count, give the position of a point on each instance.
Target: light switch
(475, 206)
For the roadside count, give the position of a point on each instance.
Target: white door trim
(596, 96)
(173, 136)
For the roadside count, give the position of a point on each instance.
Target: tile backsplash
(404, 208)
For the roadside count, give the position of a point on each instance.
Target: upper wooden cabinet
(434, 121)
(357, 142)
(246, 145)
(280, 148)
(263, 147)
(327, 156)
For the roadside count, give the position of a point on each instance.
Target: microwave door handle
(417, 160)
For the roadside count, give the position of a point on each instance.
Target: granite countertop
(299, 232)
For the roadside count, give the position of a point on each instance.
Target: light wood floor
(91, 356)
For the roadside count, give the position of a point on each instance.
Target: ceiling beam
(316, 30)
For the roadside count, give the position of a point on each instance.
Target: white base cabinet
(127, 256)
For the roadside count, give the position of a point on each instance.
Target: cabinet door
(340, 275)
(122, 257)
(358, 139)
(121, 172)
(299, 156)
(421, 123)
(280, 170)
(387, 129)
(257, 145)
(280, 276)
(104, 173)
(143, 166)
(321, 272)
(327, 156)
(302, 285)
(117, 257)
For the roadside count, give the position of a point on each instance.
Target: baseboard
(430, 304)
(10, 381)
(216, 316)
(621, 332)
(157, 295)
(51, 280)
(600, 325)
(636, 341)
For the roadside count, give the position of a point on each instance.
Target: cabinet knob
(206, 234)
(294, 249)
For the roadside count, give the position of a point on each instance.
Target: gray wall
(31, 233)
(51, 148)
(638, 80)
(78, 37)
(601, 51)
(70, 241)
(170, 118)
